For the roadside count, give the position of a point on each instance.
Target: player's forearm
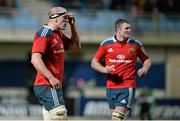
(75, 37)
(97, 66)
(40, 66)
(147, 64)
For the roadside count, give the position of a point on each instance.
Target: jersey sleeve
(40, 44)
(100, 53)
(66, 41)
(142, 54)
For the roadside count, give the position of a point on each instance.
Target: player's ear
(119, 30)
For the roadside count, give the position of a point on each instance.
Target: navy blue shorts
(120, 97)
(49, 97)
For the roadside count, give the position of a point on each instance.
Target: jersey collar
(115, 39)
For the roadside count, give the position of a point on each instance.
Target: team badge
(131, 51)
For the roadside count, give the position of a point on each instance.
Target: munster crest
(131, 51)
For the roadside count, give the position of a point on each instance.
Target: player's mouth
(128, 33)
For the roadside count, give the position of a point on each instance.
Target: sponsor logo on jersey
(120, 56)
(120, 59)
(61, 48)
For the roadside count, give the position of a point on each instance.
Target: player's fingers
(139, 73)
(72, 21)
(112, 66)
(54, 87)
(109, 70)
(70, 14)
(57, 86)
(60, 85)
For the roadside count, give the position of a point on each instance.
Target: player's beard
(64, 25)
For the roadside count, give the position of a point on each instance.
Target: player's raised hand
(142, 72)
(71, 18)
(109, 69)
(56, 84)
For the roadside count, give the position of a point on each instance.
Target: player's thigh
(111, 96)
(125, 97)
(49, 97)
(120, 97)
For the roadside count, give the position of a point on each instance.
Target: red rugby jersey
(52, 45)
(123, 55)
